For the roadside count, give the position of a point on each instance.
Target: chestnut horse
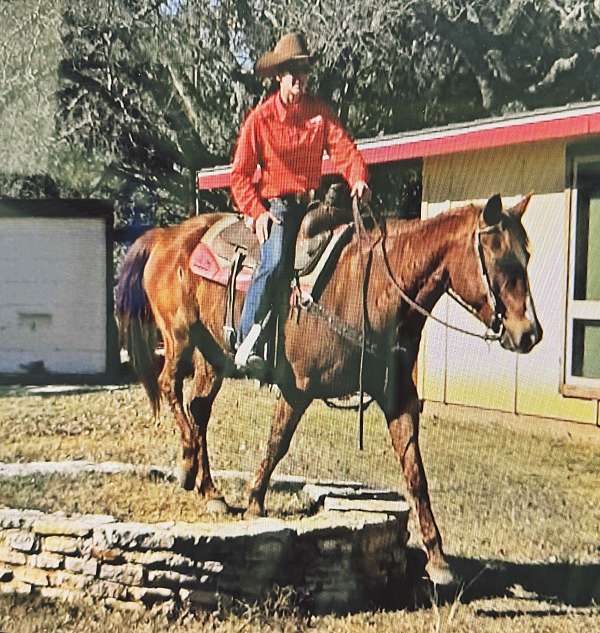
(479, 254)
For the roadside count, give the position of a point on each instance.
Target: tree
(30, 48)
(149, 91)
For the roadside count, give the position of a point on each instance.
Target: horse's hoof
(254, 511)
(217, 507)
(440, 574)
(186, 477)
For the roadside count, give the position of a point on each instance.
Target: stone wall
(341, 560)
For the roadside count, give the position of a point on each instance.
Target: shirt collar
(283, 111)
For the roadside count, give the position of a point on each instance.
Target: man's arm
(345, 156)
(245, 161)
(244, 192)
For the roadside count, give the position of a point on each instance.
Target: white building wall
(53, 294)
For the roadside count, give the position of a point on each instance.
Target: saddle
(229, 252)
(230, 247)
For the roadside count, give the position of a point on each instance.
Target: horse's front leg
(207, 383)
(403, 425)
(285, 422)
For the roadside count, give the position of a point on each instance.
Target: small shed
(556, 154)
(56, 280)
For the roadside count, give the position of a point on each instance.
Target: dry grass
(130, 497)
(523, 502)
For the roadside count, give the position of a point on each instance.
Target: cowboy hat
(290, 48)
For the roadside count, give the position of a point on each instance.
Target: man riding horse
(477, 253)
(286, 135)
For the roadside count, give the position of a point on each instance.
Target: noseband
(494, 300)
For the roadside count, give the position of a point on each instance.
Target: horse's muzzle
(521, 339)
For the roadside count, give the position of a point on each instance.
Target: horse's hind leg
(285, 422)
(204, 391)
(171, 386)
(403, 425)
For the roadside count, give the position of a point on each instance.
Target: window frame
(577, 310)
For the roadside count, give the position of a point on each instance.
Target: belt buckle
(302, 198)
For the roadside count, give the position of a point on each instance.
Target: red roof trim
(443, 142)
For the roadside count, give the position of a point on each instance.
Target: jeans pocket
(278, 208)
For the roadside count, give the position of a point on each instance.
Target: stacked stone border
(350, 556)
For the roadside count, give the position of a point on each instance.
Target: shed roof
(56, 207)
(570, 121)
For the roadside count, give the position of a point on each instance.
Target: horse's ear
(520, 208)
(492, 214)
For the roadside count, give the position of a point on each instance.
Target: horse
(478, 253)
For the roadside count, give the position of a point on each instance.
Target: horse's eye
(511, 269)
(496, 242)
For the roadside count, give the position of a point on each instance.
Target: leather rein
(353, 335)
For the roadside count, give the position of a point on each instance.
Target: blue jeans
(276, 268)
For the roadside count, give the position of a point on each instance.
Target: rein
(365, 271)
(495, 327)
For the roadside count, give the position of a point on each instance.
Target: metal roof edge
(219, 174)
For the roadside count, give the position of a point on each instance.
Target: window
(582, 366)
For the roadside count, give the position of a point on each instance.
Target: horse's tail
(137, 328)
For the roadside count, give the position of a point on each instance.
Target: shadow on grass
(576, 585)
(564, 584)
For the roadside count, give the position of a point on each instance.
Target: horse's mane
(456, 222)
(448, 220)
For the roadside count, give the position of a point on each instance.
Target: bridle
(496, 328)
(498, 309)
(360, 338)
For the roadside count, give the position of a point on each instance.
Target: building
(556, 154)
(56, 291)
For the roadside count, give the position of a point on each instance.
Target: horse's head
(499, 289)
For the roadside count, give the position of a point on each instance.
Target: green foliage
(150, 91)
(27, 187)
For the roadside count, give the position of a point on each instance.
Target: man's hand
(361, 191)
(261, 225)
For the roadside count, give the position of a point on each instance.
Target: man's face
(292, 82)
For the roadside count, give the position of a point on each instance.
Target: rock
(151, 595)
(69, 580)
(162, 560)
(6, 574)
(81, 565)
(31, 575)
(172, 579)
(57, 593)
(397, 508)
(61, 544)
(132, 536)
(24, 542)
(128, 574)
(46, 560)
(16, 586)
(107, 589)
(12, 557)
(62, 527)
(13, 518)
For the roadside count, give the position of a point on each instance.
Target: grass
(131, 497)
(522, 503)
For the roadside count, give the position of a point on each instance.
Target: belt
(302, 198)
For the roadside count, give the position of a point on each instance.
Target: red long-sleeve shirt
(288, 142)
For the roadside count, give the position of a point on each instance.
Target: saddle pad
(205, 262)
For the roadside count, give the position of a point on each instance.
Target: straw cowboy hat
(290, 48)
